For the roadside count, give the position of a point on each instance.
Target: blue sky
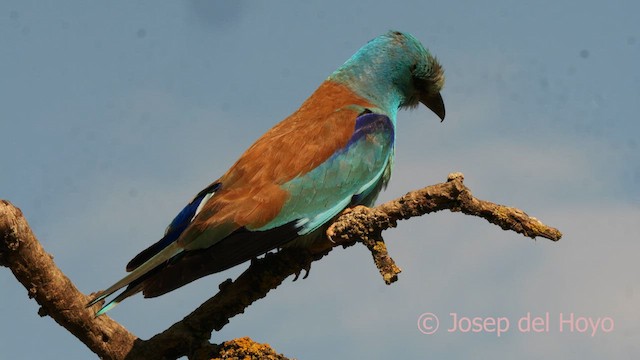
(115, 114)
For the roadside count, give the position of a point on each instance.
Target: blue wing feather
(177, 226)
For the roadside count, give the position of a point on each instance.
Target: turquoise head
(394, 71)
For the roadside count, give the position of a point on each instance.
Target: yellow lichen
(246, 349)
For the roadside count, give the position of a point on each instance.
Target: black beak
(435, 103)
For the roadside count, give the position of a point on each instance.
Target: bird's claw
(307, 270)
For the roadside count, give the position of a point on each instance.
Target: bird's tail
(161, 257)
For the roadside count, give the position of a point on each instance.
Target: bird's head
(427, 79)
(394, 69)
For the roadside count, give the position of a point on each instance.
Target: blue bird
(334, 152)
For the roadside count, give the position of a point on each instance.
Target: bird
(336, 151)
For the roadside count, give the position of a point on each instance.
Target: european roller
(334, 152)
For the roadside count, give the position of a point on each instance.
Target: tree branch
(367, 223)
(35, 269)
(21, 252)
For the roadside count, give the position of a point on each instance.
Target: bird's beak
(435, 103)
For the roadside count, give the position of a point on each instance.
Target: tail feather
(238, 247)
(129, 291)
(155, 261)
(146, 254)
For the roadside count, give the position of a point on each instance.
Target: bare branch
(34, 268)
(364, 223)
(21, 252)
